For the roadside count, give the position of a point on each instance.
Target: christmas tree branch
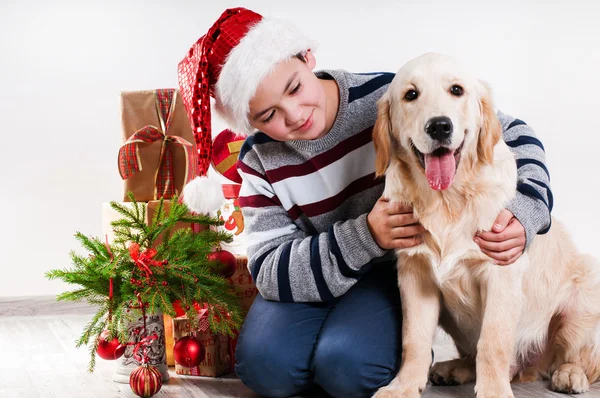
(114, 275)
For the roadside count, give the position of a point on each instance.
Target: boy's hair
(301, 56)
(228, 63)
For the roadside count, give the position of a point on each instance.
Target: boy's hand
(393, 225)
(505, 242)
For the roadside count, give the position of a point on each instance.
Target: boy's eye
(268, 119)
(295, 90)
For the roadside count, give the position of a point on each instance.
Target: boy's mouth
(308, 123)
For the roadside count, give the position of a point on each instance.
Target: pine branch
(92, 351)
(80, 295)
(201, 219)
(93, 246)
(134, 218)
(178, 270)
(88, 331)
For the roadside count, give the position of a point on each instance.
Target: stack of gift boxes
(158, 157)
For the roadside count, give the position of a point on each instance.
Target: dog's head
(434, 117)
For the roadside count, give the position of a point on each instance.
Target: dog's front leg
(501, 303)
(420, 313)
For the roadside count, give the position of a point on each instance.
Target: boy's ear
(310, 59)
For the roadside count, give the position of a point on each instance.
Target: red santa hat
(228, 63)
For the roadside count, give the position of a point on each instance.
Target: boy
(319, 233)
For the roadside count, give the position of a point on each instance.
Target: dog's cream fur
(537, 318)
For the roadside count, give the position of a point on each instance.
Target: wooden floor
(38, 358)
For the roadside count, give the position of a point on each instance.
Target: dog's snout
(439, 128)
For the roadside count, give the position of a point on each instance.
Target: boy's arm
(286, 263)
(533, 203)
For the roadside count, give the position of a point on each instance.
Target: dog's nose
(439, 128)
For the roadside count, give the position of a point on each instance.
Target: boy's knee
(266, 371)
(345, 371)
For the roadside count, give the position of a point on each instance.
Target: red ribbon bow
(143, 344)
(145, 259)
(129, 160)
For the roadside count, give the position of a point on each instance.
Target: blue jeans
(349, 346)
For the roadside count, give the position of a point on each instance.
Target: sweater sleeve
(288, 264)
(533, 202)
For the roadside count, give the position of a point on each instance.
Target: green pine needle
(184, 272)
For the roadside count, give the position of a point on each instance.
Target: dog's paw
(397, 392)
(452, 373)
(570, 378)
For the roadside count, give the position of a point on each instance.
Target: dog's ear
(491, 130)
(381, 136)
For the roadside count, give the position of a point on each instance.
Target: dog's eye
(411, 95)
(456, 90)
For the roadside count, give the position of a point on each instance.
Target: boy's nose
(294, 115)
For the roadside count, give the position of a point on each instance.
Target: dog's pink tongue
(440, 170)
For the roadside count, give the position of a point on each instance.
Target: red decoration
(188, 352)
(179, 311)
(109, 349)
(226, 149)
(228, 261)
(145, 380)
(145, 259)
(235, 218)
(199, 71)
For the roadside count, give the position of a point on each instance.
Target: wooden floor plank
(39, 359)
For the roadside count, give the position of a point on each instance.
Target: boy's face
(290, 103)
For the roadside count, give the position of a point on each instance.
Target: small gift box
(226, 150)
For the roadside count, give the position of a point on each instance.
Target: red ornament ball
(228, 261)
(145, 380)
(188, 352)
(109, 349)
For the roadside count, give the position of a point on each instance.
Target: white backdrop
(63, 63)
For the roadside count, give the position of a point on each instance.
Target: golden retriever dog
(536, 318)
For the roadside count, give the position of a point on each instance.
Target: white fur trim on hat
(203, 195)
(266, 44)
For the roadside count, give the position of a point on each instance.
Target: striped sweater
(305, 202)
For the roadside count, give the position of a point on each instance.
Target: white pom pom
(203, 195)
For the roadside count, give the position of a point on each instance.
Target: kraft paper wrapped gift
(158, 155)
